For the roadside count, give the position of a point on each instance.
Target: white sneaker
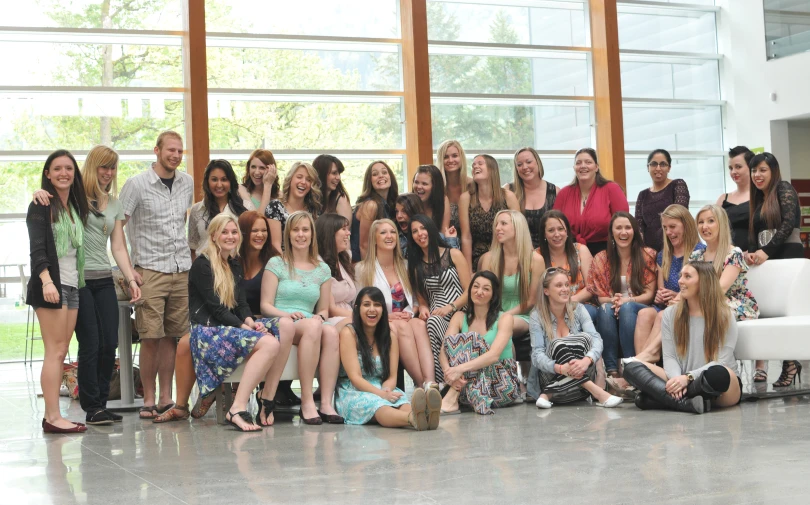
(611, 402)
(542, 403)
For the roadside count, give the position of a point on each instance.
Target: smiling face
(673, 229)
(738, 169)
(370, 311)
(218, 184)
(423, 186)
(622, 232)
(333, 178)
(402, 217)
(452, 159)
(419, 234)
(228, 239)
(689, 283)
(556, 233)
(342, 238)
(527, 167)
(481, 291)
(659, 168)
(61, 173)
(559, 288)
(106, 175)
(301, 183)
(258, 234)
(386, 237)
(301, 235)
(257, 169)
(170, 154)
(380, 178)
(761, 176)
(708, 226)
(480, 172)
(585, 168)
(504, 228)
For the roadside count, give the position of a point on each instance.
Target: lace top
(739, 297)
(301, 292)
(791, 218)
(533, 216)
(650, 205)
(481, 228)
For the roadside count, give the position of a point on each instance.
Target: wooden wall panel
(196, 95)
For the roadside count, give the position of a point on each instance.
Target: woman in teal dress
(477, 356)
(366, 388)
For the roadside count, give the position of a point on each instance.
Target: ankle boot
(654, 390)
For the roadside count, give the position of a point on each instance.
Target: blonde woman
(519, 269)
(299, 286)
(451, 158)
(699, 334)
(384, 267)
(478, 206)
(223, 331)
(97, 319)
(534, 194)
(301, 191)
(565, 347)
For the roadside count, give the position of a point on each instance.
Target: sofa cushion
(776, 338)
(781, 287)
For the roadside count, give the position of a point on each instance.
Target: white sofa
(782, 290)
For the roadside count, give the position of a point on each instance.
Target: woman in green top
(477, 356)
(97, 321)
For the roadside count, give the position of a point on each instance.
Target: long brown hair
(690, 235)
(638, 263)
(369, 193)
(600, 179)
(716, 313)
(327, 227)
(323, 165)
(570, 249)
(520, 189)
(771, 212)
(268, 159)
(498, 195)
(246, 222)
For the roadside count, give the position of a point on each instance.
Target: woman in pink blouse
(590, 201)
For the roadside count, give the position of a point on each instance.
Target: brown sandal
(176, 413)
(148, 412)
(203, 404)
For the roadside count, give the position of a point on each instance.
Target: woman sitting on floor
(366, 387)
(477, 355)
(565, 347)
(698, 339)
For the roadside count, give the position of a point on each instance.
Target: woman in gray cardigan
(698, 336)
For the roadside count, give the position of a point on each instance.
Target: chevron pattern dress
(493, 386)
(443, 286)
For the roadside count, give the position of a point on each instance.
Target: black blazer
(204, 305)
(43, 255)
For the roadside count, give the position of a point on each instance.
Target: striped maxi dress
(443, 286)
(562, 350)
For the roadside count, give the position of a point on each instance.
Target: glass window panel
(294, 125)
(705, 177)
(509, 75)
(558, 169)
(296, 69)
(676, 30)
(357, 18)
(54, 64)
(565, 25)
(81, 120)
(150, 15)
(699, 80)
(787, 27)
(673, 129)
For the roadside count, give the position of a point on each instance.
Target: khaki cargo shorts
(164, 311)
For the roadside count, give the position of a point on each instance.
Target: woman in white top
(384, 267)
(333, 245)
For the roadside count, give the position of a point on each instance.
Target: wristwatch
(690, 377)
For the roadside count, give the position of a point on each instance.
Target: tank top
(489, 336)
(738, 220)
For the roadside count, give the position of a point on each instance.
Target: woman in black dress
(735, 203)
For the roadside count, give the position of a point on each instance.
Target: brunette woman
(368, 374)
(333, 245)
(653, 200)
(478, 206)
(220, 194)
(335, 197)
(773, 228)
(439, 276)
(590, 201)
(260, 182)
(429, 187)
(477, 355)
(254, 253)
(736, 202)
(699, 334)
(451, 158)
(56, 240)
(565, 347)
(534, 194)
(623, 279)
(408, 205)
(377, 201)
(301, 191)
(384, 267)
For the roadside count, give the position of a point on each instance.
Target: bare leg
(56, 326)
(600, 394)
(423, 349)
(390, 417)
(149, 366)
(732, 396)
(308, 339)
(644, 326)
(286, 330)
(184, 371)
(329, 368)
(657, 370)
(256, 367)
(165, 363)
(651, 352)
(408, 352)
(450, 400)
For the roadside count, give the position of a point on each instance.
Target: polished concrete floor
(755, 453)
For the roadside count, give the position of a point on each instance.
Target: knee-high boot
(653, 391)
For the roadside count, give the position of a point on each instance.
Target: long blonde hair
(523, 244)
(99, 156)
(724, 242)
(313, 199)
(716, 313)
(286, 244)
(544, 304)
(369, 263)
(223, 277)
(690, 235)
(441, 151)
(520, 190)
(494, 176)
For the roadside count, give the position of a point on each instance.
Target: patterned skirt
(493, 386)
(562, 350)
(218, 350)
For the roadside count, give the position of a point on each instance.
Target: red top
(592, 224)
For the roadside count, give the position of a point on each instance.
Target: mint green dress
(301, 292)
(510, 296)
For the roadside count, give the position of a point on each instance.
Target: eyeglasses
(655, 164)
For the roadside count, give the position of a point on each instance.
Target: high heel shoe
(790, 370)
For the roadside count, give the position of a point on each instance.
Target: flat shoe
(418, 407)
(331, 418)
(434, 407)
(49, 428)
(613, 401)
(312, 421)
(451, 412)
(542, 403)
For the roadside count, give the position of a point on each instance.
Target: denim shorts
(70, 297)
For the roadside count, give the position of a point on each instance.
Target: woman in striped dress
(439, 276)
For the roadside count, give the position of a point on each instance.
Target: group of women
(558, 280)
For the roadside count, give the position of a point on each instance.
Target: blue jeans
(593, 311)
(618, 332)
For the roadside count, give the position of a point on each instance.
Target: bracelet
(47, 284)
(322, 318)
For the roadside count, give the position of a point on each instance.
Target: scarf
(70, 233)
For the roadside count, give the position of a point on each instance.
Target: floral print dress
(739, 297)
